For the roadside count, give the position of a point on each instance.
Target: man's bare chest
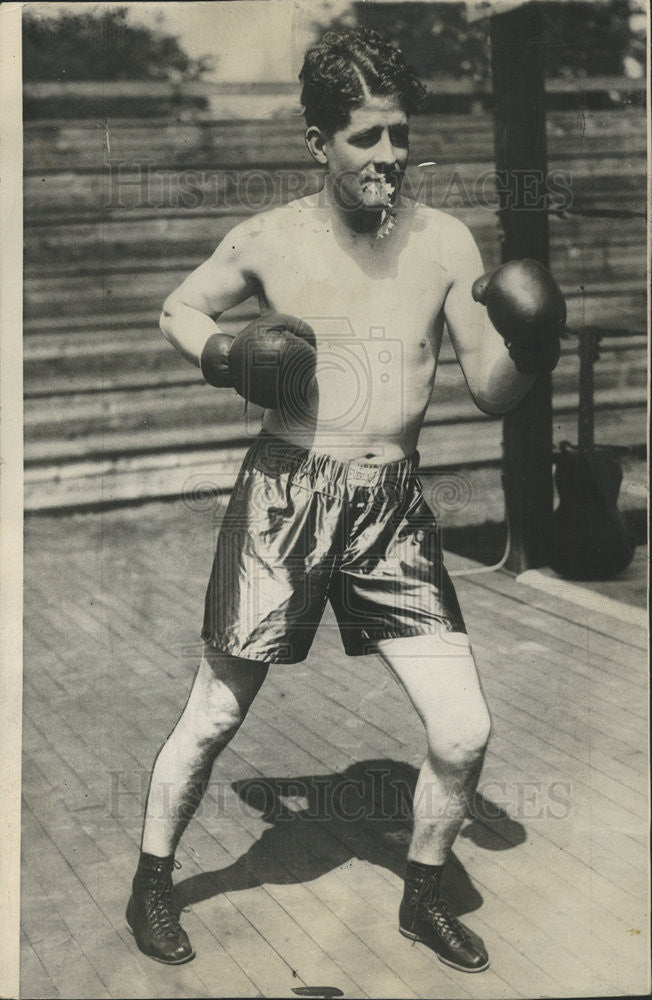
(367, 290)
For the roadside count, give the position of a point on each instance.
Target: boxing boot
(424, 916)
(151, 914)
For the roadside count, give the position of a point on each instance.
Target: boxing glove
(271, 362)
(528, 310)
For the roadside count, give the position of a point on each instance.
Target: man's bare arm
(493, 380)
(223, 281)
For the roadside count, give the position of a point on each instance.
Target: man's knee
(221, 712)
(460, 741)
(222, 693)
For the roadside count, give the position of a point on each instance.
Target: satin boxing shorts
(302, 529)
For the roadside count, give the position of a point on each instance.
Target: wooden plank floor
(281, 890)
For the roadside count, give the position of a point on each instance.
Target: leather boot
(151, 913)
(424, 916)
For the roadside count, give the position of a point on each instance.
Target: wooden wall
(118, 212)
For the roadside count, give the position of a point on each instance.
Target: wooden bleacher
(117, 213)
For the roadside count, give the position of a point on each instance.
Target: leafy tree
(586, 39)
(437, 38)
(581, 39)
(104, 46)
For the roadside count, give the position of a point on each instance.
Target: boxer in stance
(329, 510)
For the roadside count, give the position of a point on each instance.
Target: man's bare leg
(223, 689)
(221, 694)
(441, 680)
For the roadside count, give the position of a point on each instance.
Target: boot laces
(160, 907)
(437, 913)
(446, 925)
(423, 890)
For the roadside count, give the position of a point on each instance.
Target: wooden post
(520, 141)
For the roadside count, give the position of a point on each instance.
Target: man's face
(367, 158)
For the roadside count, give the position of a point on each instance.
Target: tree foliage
(580, 39)
(584, 39)
(437, 38)
(103, 46)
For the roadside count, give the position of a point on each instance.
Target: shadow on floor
(322, 822)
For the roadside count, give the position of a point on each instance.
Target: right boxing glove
(527, 308)
(271, 362)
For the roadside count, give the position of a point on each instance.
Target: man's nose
(385, 152)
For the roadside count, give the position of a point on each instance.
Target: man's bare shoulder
(254, 233)
(446, 240)
(443, 226)
(272, 220)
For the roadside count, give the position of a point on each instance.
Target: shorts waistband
(325, 474)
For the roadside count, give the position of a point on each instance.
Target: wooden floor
(281, 890)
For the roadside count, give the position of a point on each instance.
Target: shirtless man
(325, 510)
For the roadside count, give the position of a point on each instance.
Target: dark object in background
(590, 539)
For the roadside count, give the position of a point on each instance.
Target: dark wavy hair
(333, 71)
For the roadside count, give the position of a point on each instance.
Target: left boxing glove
(214, 360)
(271, 362)
(528, 310)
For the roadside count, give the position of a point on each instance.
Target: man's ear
(316, 143)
